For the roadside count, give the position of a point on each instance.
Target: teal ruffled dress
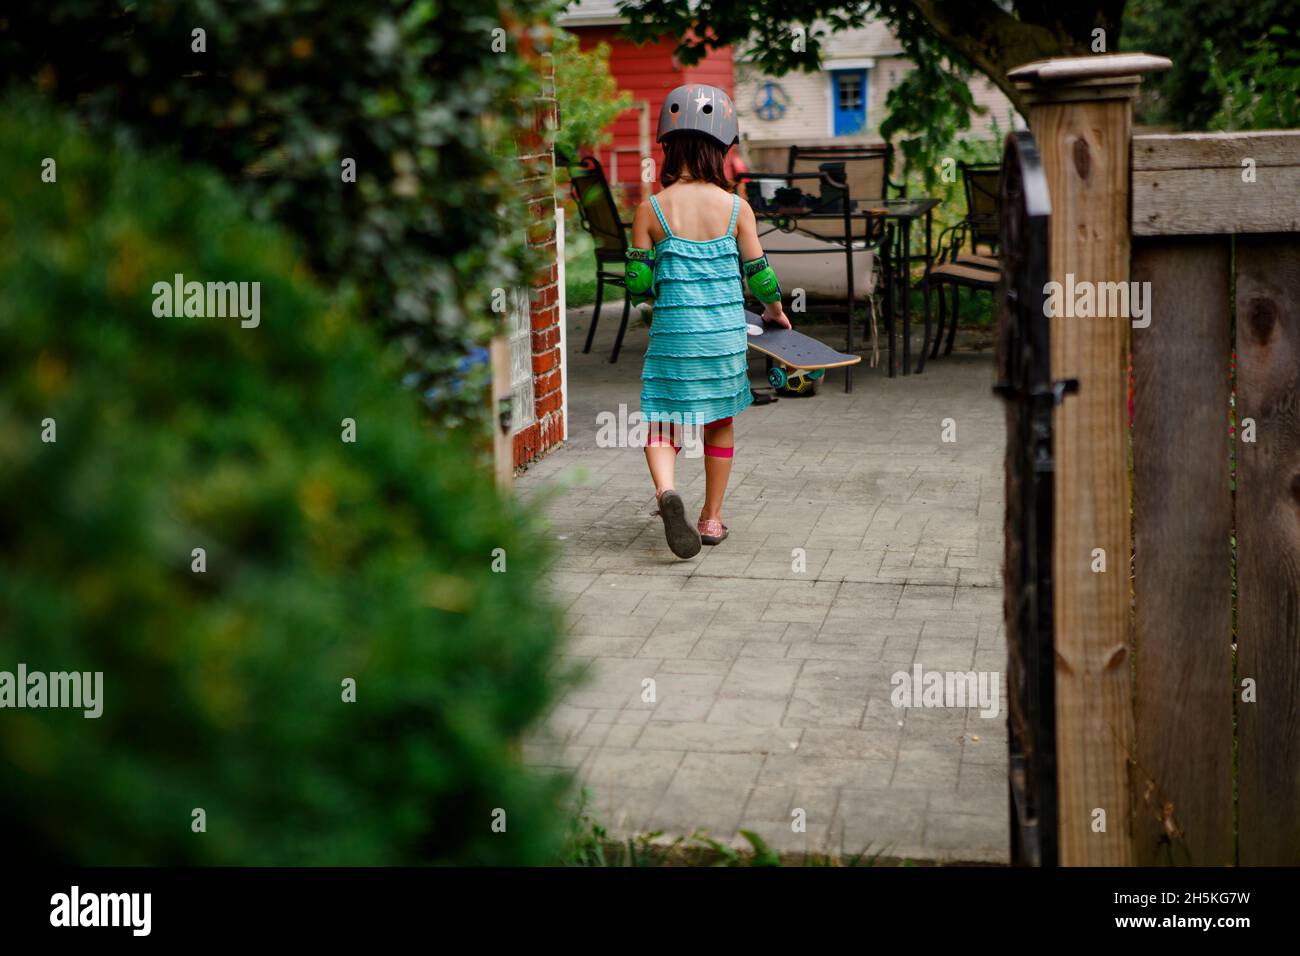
(695, 368)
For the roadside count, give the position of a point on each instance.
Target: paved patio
(771, 675)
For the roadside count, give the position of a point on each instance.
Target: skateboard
(800, 360)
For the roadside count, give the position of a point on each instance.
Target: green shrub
(325, 560)
(412, 90)
(1261, 92)
(588, 96)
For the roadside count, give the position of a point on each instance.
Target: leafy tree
(985, 35)
(425, 96)
(933, 103)
(323, 559)
(1264, 92)
(1202, 38)
(947, 41)
(588, 95)
(950, 40)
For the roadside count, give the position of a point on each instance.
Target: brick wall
(547, 429)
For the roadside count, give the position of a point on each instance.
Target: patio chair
(967, 270)
(599, 216)
(960, 271)
(866, 169)
(981, 184)
(834, 258)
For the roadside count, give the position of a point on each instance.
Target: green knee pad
(762, 280)
(639, 272)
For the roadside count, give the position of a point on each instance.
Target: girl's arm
(641, 220)
(639, 271)
(751, 248)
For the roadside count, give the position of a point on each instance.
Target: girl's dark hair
(695, 155)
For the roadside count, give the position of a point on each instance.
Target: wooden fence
(1178, 673)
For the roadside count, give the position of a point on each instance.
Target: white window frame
(856, 63)
(519, 335)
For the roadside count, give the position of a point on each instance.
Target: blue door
(849, 100)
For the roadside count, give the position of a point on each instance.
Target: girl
(692, 242)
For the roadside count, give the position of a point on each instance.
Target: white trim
(571, 20)
(830, 103)
(562, 305)
(857, 63)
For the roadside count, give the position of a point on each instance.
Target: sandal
(712, 531)
(683, 540)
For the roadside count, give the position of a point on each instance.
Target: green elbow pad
(762, 280)
(639, 273)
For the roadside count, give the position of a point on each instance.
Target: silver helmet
(699, 109)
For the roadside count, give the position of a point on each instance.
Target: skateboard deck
(793, 349)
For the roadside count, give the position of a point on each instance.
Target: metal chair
(950, 269)
(865, 169)
(981, 185)
(599, 216)
(968, 270)
(787, 229)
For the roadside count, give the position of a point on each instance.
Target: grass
(589, 844)
(579, 265)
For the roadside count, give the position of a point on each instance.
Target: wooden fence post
(1081, 116)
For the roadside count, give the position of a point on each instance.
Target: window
(850, 93)
(848, 101)
(520, 331)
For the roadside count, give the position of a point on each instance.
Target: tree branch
(994, 41)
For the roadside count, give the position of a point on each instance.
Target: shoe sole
(683, 540)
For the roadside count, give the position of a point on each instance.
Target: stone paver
(861, 545)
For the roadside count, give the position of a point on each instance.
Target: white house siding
(808, 117)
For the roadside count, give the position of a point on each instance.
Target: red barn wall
(648, 72)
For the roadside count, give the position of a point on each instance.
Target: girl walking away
(692, 243)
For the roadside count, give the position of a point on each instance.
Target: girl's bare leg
(719, 440)
(661, 456)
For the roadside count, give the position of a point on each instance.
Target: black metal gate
(1025, 382)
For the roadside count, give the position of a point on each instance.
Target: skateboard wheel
(816, 373)
(777, 377)
(801, 385)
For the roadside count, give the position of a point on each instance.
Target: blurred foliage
(1203, 38)
(943, 180)
(933, 103)
(949, 40)
(588, 95)
(325, 560)
(1264, 92)
(926, 112)
(412, 90)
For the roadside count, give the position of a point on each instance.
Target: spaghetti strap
(654, 202)
(735, 211)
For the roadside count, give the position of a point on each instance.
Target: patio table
(903, 212)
